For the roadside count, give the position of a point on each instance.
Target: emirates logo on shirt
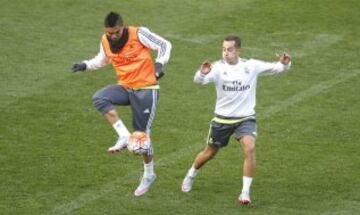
(235, 86)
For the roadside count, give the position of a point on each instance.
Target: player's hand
(205, 67)
(159, 70)
(78, 67)
(284, 58)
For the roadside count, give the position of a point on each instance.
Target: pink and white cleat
(244, 198)
(144, 185)
(187, 184)
(120, 145)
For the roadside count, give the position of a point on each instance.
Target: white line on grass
(196, 39)
(319, 42)
(349, 207)
(316, 89)
(92, 195)
(315, 44)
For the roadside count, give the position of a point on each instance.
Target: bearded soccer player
(235, 81)
(128, 49)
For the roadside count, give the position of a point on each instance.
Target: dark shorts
(220, 133)
(143, 103)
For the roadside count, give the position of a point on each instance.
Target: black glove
(159, 71)
(78, 67)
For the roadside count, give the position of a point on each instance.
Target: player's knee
(249, 151)
(210, 153)
(98, 101)
(248, 145)
(101, 103)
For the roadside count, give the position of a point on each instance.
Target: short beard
(116, 46)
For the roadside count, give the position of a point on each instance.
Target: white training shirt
(147, 38)
(236, 84)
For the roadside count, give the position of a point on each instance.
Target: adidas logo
(147, 110)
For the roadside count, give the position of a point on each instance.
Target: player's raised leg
(104, 99)
(120, 129)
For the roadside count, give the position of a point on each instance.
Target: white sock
(246, 184)
(149, 169)
(121, 129)
(192, 172)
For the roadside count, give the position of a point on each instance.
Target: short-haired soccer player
(128, 49)
(235, 81)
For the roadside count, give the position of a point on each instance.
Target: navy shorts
(220, 133)
(143, 103)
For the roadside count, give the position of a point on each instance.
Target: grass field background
(53, 142)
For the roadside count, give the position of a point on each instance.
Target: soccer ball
(139, 143)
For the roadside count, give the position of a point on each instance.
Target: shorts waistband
(232, 120)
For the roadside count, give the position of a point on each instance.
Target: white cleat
(120, 145)
(187, 184)
(144, 185)
(244, 198)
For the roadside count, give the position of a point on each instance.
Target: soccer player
(235, 81)
(128, 49)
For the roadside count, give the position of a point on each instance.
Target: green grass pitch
(53, 142)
